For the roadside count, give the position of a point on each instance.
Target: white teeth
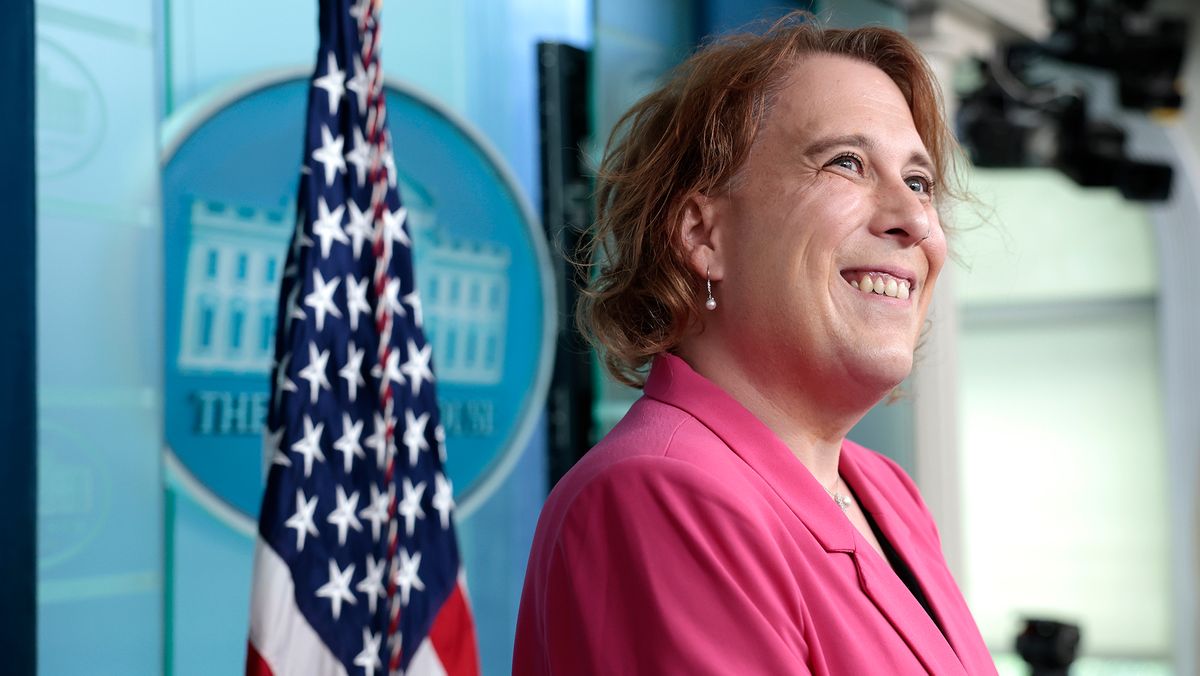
(883, 285)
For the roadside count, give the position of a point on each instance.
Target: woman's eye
(850, 162)
(919, 184)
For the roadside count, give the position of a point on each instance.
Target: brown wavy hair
(692, 135)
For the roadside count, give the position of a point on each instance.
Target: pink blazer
(692, 541)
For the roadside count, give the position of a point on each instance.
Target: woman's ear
(700, 234)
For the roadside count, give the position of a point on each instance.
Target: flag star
(417, 366)
(379, 441)
(368, 659)
(348, 443)
(321, 298)
(281, 458)
(314, 372)
(328, 227)
(310, 445)
(391, 371)
(360, 85)
(439, 435)
(376, 511)
(282, 382)
(294, 311)
(391, 298)
(299, 239)
(352, 371)
(338, 587)
(297, 311)
(393, 226)
(343, 516)
(389, 163)
(330, 154)
(274, 441)
(410, 505)
(299, 242)
(443, 498)
(372, 584)
(407, 578)
(302, 520)
(359, 227)
(360, 156)
(414, 301)
(333, 82)
(356, 301)
(414, 435)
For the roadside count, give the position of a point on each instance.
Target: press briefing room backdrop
(1050, 422)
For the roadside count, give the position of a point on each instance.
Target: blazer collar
(672, 381)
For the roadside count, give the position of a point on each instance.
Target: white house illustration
(464, 287)
(235, 259)
(236, 256)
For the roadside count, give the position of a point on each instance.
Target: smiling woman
(769, 236)
(785, 238)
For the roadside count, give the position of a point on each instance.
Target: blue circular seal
(230, 169)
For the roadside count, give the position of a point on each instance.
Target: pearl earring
(711, 303)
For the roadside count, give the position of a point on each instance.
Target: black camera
(1120, 36)
(1013, 120)
(1048, 646)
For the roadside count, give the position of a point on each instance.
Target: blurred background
(1052, 421)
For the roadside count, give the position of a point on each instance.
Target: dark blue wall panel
(18, 435)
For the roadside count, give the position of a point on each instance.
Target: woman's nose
(901, 214)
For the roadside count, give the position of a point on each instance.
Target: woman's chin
(880, 371)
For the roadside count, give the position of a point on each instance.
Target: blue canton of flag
(357, 569)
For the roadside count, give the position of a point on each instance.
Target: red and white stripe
(283, 643)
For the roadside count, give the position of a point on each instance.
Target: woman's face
(828, 240)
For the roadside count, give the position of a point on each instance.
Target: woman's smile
(880, 282)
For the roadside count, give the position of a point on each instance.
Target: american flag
(357, 568)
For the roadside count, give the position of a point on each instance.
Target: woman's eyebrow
(922, 160)
(825, 144)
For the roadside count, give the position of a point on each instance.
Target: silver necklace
(839, 499)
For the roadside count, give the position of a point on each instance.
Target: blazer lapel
(905, 614)
(925, 559)
(673, 382)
